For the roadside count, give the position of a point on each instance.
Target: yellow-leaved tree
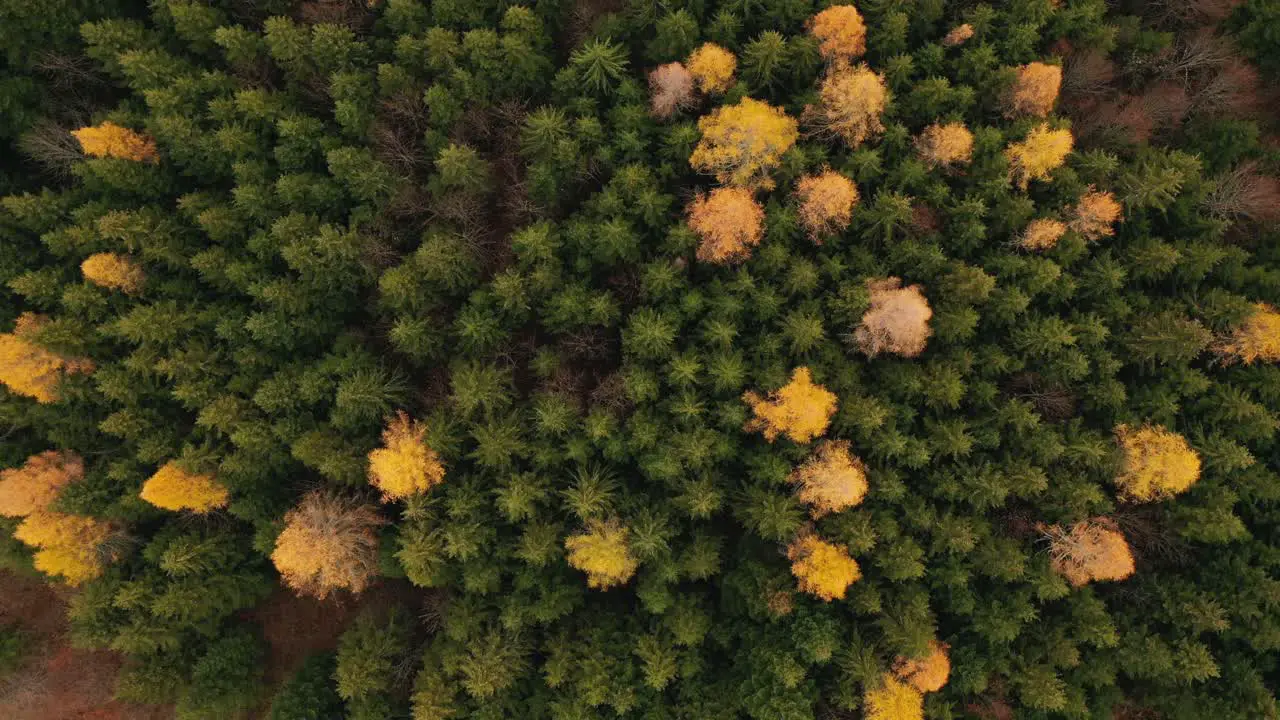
(893, 700)
(29, 369)
(32, 487)
(1089, 550)
(729, 223)
(329, 543)
(800, 409)
(945, 145)
(822, 569)
(1156, 464)
(114, 141)
(840, 32)
(851, 101)
(826, 203)
(958, 35)
(670, 89)
(405, 465)
(1095, 214)
(741, 144)
(1041, 234)
(1043, 151)
(67, 545)
(1257, 338)
(897, 321)
(927, 674)
(112, 271)
(831, 479)
(712, 68)
(174, 488)
(1035, 90)
(602, 552)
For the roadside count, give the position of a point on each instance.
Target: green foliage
(465, 211)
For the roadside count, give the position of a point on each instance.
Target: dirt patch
(57, 681)
(295, 627)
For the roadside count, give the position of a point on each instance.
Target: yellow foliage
(1041, 234)
(113, 271)
(329, 543)
(742, 143)
(1039, 154)
(404, 465)
(69, 545)
(602, 552)
(840, 32)
(826, 203)
(173, 488)
(1257, 338)
(831, 479)
(1158, 463)
(712, 68)
(1095, 214)
(893, 700)
(958, 35)
(1035, 89)
(28, 369)
(32, 487)
(729, 221)
(111, 140)
(670, 89)
(1090, 550)
(943, 145)
(897, 322)
(927, 674)
(823, 570)
(851, 101)
(800, 410)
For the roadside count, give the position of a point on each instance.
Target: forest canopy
(714, 360)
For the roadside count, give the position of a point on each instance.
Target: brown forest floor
(57, 681)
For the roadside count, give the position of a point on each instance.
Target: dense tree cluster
(727, 360)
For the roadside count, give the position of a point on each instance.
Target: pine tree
(1043, 151)
(831, 479)
(174, 488)
(34, 486)
(712, 68)
(799, 410)
(840, 32)
(109, 140)
(1157, 463)
(1035, 90)
(826, 203)
(113, 271)
(1090, 550)
(729, 222)
(822, 569)
(897, 322)
(742, 143)
(329, 543)
(405, 465)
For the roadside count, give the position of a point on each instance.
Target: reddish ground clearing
(57, 681)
